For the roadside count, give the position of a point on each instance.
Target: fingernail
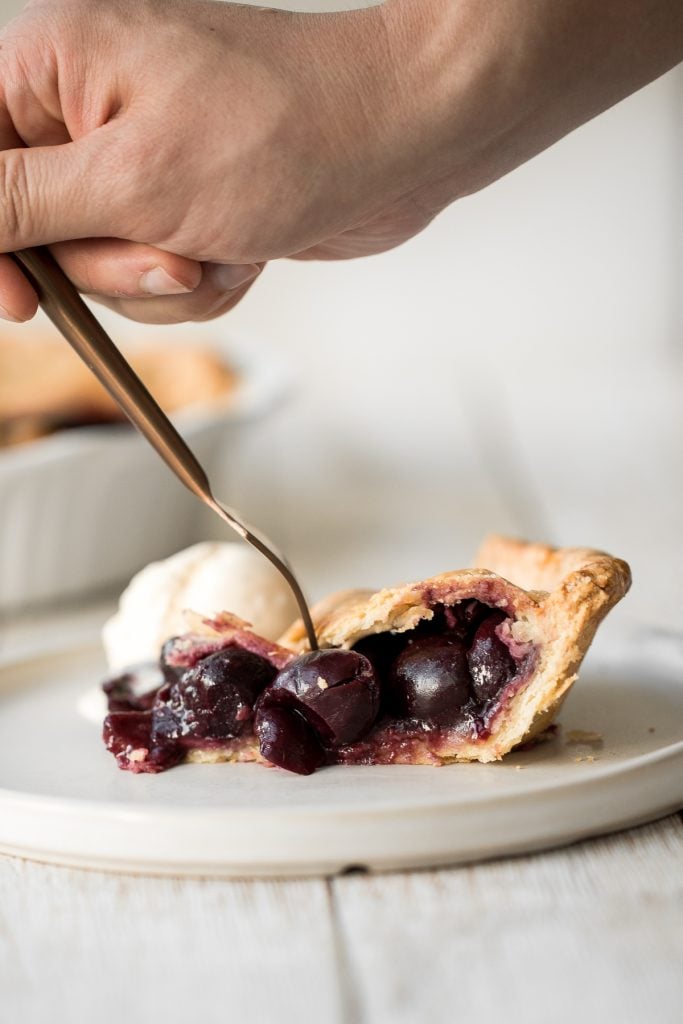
(9, 316)
(229, 276)
(157, 281)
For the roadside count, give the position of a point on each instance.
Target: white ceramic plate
(63, 800)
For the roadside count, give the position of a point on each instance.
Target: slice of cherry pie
(461, 667)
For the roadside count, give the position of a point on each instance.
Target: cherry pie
(461, 667)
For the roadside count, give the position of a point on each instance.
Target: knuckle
(18, 213)
(28, 59)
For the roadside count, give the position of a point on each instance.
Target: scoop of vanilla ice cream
(207, 578)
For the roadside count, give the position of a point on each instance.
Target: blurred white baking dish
(87, 507)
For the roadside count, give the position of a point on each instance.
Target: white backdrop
(524, 352)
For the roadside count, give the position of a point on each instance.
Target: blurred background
(517, 367)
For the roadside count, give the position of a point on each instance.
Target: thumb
(57, 193)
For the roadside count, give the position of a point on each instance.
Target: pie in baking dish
(464, 666)
(44, 386)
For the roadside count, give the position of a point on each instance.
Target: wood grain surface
(592, 933)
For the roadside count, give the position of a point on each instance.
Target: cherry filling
(287, 740)
(128, 735)
(489, 661)
(204, 706)
(212, 701)
(171, 673)
(366, 705)
(448, 678)
(134, 690)
(324, 699)
(430, 680)
(335, 691)
(448, 672)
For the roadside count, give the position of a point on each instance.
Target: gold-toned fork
(70, 315)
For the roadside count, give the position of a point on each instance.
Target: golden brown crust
(43, 382)
(556, 598)
(542, 567)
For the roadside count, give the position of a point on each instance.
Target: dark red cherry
(431, 681)
(457, 621)
(381, 649)
(462, 619)
(489, 660)
(336, 691)
(213, 700)
(287, 740)
(128, 735)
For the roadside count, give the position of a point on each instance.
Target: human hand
(202, 139)
(175, 142)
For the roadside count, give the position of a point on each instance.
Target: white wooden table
(592, 933)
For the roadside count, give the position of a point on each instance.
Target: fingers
(40, 198)
(71, 192)
(111, 266)
(64, 191)
(18, 301)
(106, 266)
(138, 281)
(221, 288)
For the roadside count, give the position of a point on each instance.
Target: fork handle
(68, 312)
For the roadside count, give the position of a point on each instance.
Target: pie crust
(552, 609)
(45, 387)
